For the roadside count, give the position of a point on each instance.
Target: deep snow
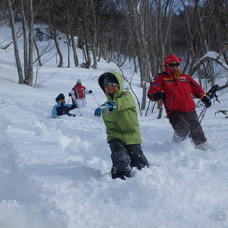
(55, 172)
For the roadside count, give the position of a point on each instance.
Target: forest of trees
(140, 31)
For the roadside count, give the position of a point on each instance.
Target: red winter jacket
(177, 90)
(79, 91)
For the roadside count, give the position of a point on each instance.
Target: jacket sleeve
(125, 101)
(70, 106)
(197, 91)
(155, 86)
(72, 92)
(86, 91)
(54, 112)
(73, 106)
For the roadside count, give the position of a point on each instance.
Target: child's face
(61, 101)
(111, 89)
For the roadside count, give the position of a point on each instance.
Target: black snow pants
(65, 110)
(124, 157)
(186, 124)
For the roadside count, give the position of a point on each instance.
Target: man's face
(111, 89)
(173, 67)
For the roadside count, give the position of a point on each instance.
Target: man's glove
(90, 91)
(206, 100)
(157, 96)
(150, 96)
(105, 108)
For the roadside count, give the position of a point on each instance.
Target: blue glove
(111, 105)
(98, 111)
(107, 107)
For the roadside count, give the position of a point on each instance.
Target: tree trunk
(54, 33)
(16, 50)
(94, 58)
(25, 42)
(143, 104)
(74, 50)
(38, 53)
(68, 50)
(88, 59)
(31, 38)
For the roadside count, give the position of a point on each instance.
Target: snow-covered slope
(55, 172)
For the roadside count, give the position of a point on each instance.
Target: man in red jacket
(176, 91)
(78, 94)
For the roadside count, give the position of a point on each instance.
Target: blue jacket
(62, 109)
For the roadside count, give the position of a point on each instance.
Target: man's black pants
(187, 124)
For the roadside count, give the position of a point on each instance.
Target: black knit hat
(60, 97)
(110, 79)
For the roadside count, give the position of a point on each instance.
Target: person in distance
(78, 94)
(61, 108)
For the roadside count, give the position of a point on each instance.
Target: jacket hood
(119, 79)
(60, 97)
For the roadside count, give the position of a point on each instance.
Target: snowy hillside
(55, 172)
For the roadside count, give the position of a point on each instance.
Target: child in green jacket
(122, 128)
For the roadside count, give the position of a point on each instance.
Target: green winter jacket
(122, 123)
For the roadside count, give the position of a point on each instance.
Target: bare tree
(143, 31)
(25, 39)
(16, 49)
(29, 78)
(138, 23)
(76, 62)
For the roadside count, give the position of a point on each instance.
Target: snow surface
(55, 172)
